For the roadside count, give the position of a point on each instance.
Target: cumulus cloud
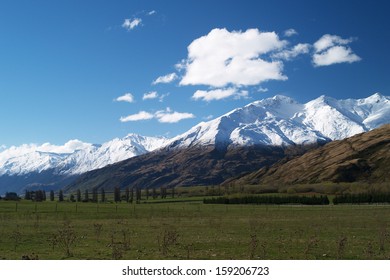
(169, 116)
(130, 24)
(223, 58)
(337, 54)
(218, 94)
(289, 54)
(150, 95)
(154, 95)
(290, 32)
(327, 41)
(332, 49)
(163, 116)
(165, 79)
(128, 97)
(142, 115)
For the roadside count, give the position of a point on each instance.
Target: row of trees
(362, 198)
(129, 195)
(267, 199)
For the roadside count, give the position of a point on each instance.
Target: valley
(192, 230)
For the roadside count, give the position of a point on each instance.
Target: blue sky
(96, 70)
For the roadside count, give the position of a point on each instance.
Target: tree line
(270, 199)
(129, 195)
(362, 198)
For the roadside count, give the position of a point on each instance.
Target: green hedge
(362, 198)
(288, 199)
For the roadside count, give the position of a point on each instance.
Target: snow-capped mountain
(276, 121)
(75, 157)
(281, 120)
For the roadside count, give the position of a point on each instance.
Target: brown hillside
(363, 157)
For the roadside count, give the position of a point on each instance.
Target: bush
(11, 196)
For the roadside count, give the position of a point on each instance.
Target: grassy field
(192, 230)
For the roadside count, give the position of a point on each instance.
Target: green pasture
(188, 229)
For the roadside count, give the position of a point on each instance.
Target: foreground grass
(192, 230)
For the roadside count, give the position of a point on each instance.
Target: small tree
(60, 196)
(127, 194)
(131, 195)
(38, 196)
(117, 194)
(86, 196)
(103, 195)
(138, 195)
(154, 193)
(94, 195)
(27, 195)
(51, 195)
(163, 192)
(78, 195)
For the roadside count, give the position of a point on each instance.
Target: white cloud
(68, 147)
(154, 95)
(262, 89)
(292, 53)
(163, 116)
(218, 94)
(290, 32)
(130, 24)
(221, 58)
(332, 49)
(142, 115)
(152, 13)
(169, 116)
(162, 96)
(209, 117)
(128, 97)
(327, 41)
(165, 79)
(150, 95)
(337, 54)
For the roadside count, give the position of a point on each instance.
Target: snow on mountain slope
(279, 120)
(110, 152)
(74, 157)
(283, 121)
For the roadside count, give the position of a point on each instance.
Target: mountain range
(263, 131)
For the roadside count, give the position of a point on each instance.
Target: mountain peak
(276, 100)
(376, 98)
(280, 120)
